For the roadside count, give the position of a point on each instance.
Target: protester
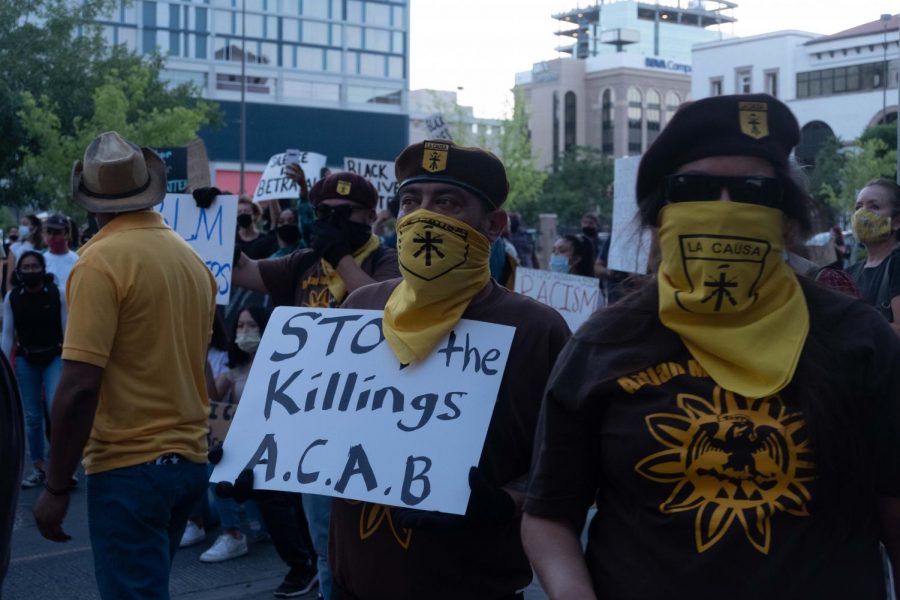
(288, 232)
(30, 238)
(34, 319)
(526, 249)
(876, 225)
(385, 226)
(60, 259)
(384, 552)
(841, 249)
(590, 228)
(345, 256)
(731, 422)
(12, 236)
(141, 303)
(230, 387)
(12, 449)
(249, 238)
(573, 254)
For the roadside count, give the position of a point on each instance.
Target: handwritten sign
(209, 231)
(221, 415)
(328, 410)
(176, 168)
(575, 297)
(629, 246)
(437, 128)
(379, 172)
(275, 184)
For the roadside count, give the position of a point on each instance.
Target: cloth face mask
(869, 226)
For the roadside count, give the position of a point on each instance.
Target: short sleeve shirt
(869, 280)
(141, 305)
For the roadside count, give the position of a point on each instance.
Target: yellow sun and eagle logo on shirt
(733, 461)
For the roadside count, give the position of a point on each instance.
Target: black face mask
(289, 233)
(13, 238)
(245, 220)
(31, 279)
(591, 232)
(357, 234)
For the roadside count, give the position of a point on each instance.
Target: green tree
(887, 133)
(61, 84)
(579, 185)
(865, 161)
(526, 181)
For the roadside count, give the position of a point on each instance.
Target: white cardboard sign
(575, 297)
(209, 231)
(379, 172)
(437, 128)
(629, 247)
(275, 184)
(327, 409)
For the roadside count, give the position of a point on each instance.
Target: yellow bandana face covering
(444, 263)
(726, 290)
(869, 226)
(335, 284)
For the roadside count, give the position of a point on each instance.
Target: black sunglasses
(687, 187)
(340, 212)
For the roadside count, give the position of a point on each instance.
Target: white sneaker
(34, 479)
(225, 548)
(192, 535)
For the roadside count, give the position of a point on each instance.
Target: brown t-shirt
(371, 559)
(298, 279)
(702, 493)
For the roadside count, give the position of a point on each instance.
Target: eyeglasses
(765, 191)
(341, 212)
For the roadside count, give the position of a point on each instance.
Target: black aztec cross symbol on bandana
(428, 245)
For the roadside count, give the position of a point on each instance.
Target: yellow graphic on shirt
(732, 459)
(373, 516)
(319, 296)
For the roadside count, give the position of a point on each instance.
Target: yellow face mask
(444, 263)
(726, 290)
(869, 226)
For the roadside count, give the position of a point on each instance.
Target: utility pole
(243, 141)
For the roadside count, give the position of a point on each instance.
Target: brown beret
(344, 186)
(473, 169)
(740, 125)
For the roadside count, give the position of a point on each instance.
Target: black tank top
(37, 316)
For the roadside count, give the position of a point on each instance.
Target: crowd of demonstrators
(34, 321)
(739, 430)
(132, 395)
(876, 225)
(573, 254)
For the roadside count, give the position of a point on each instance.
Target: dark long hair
(236, 356)
(17, 281)
(584, 251)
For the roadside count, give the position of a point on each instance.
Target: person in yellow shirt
(132, 395)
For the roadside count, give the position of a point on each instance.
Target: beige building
(617, 103)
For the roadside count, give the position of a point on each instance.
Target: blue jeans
(37, 384)
(136, 517)
(318, 516)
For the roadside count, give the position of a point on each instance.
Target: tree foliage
(862, 162)
(526, 181)
(887, 133)
(579, 185)
(61, 85)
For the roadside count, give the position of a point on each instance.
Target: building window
(743, 81)
(570, 121)
(772, 83)
(555, 130)
(715, 86)
(654, 115)
(635, 121)
(607, 123)
(673, 101)
(840, 80)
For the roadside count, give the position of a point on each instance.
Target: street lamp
(884, 19)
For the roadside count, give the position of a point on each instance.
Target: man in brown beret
(345, 256)
(451, 201)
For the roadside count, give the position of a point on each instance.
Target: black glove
(330, 241)
(488, 505)
(240, 491)
(205, 196)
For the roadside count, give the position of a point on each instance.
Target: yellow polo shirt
(141, 305)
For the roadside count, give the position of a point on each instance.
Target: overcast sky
(479, 45)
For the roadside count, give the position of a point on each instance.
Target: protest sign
(328, 410)
(220, 417)
(275, 184)
(187, 167)
(629, 247)
(379, 172)
(437, 129)
(575, 297)
(209, 231)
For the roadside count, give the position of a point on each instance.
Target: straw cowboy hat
(118, 176)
